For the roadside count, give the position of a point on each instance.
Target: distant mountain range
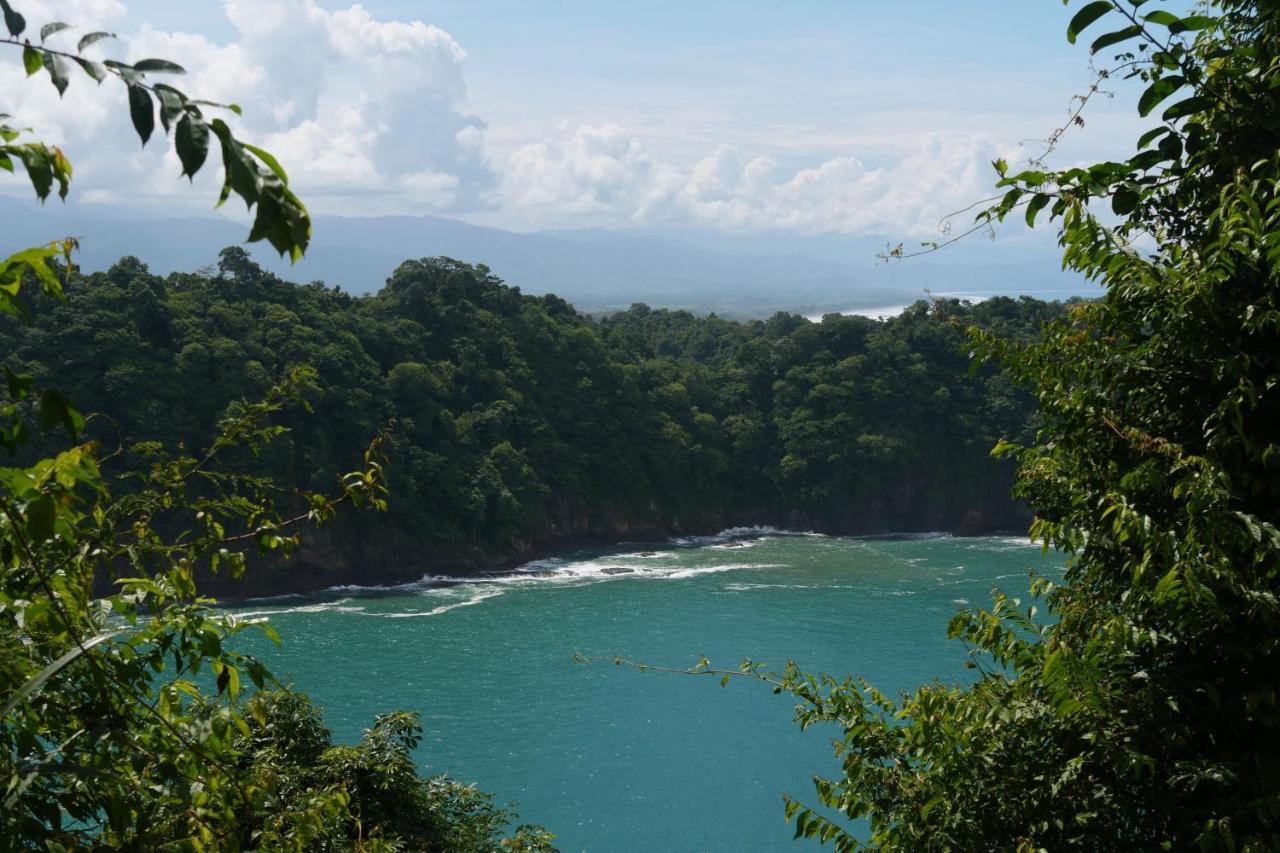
(597, 270)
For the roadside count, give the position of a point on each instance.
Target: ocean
(614, 759)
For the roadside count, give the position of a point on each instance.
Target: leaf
(192, 143)
(224, 679)
(241, 174)
(1188, 106)
(126, 72)
(1168, 585)
(15, 22)
(90, 38)
(20, 384)
(1148, 137)
(1192, 23)
(32, 59)
(39, 168)
(1124, 201)
(41, 515)
(172, 107)
(141, 111)
(93, 69)
(34, 684)
(57, 72)
(163, 66)
(1157, 92)
(1038, 201)
(1116, 37)
(1161, 18)
(1086, 16)
(56, 410)
(51, 28)
(267, 158)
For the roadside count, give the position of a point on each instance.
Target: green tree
(127, 719)
(1142, 713)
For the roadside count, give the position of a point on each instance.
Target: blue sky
(852, 118)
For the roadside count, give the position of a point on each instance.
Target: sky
(805, 117)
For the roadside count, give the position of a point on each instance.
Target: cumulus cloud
(368, 115)
(604, 175)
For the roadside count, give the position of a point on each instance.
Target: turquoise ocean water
(617, 760)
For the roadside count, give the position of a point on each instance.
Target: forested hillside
(516, 422)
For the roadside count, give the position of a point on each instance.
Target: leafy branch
(248, 171)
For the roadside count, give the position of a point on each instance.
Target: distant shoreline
(440, 572)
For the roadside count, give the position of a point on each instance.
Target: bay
(612, 759)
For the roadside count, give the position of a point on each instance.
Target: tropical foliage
(518, 420)
(1141, 711)
(127, 719)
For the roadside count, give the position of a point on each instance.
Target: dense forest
(515, 422)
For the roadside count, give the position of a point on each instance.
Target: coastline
(315, 571)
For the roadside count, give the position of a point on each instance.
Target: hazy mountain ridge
(597, 270)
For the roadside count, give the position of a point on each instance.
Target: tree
(1142, 711)
(128, 719)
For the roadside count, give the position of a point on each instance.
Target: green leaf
(172, 105)
(126, 72)
(141, 111)
(192, 143)
(1116, 37)
(1157, 92)
(56, 410)
(35, 683)
(1038, 201)
(267, 158)
(159, 65)
(15, 22)
(55, 27)
(90, 38)
(1086, 16)
(32, 59)
(93, 69)
(39, 168)
(1150, 136)
(1124, 201)
(1161, 18)
(241, 174)
(20, 384)
(1192, 23)
(1188, 106)
(57, 72)
(42, 513)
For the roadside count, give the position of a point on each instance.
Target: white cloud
(603, 176)
(368, 116)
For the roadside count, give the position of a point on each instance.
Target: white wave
(649, 565)
(910, 537)
(692, 571)
(735, 544)
(546, 564)
(342, 605)
(731, 533)
(751, 587)
(481, 595)
(1014, 540)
